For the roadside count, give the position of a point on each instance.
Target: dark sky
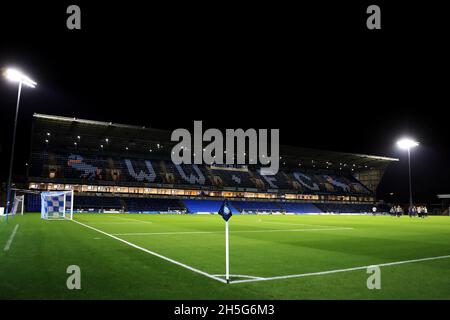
(313, 71)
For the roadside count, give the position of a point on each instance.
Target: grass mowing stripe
(301, 224)
(154, 253)
(114, 270)
(221, 232)
(11, 238)
(133, 220)
(387, 264)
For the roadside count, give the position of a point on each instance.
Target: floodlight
(407, 143)
(17, 76)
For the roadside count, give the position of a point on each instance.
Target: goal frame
(18, 200)
(19, 193)
(48, 212)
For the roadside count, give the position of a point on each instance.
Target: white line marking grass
(113, 222)
(302, 224)
(131, 219)
(221, 232)
(250, 278)
(341, 270)
(238, 276)
(11, 238)
(154, 253)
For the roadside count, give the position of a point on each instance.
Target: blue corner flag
(225, 211)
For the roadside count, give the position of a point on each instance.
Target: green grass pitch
(34, 266)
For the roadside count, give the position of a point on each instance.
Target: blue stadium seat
(33, 203)
(195, 206)
(300, 208)
(257, 206)
(80, 168)
(96, 203)
(152, 205)
(344, 208)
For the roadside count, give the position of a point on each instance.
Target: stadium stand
(300, 208)
(196, 206)
(344, 208)
(97, 203)
(150, 205)
(33, 203)
(128, 168)
(257, 206)
(76, 168)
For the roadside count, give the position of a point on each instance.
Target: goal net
(57, 205)
(20, 201)
(18, 205)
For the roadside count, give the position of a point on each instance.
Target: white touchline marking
(154, 253)
(11, 238)
(221, 232)
(341, 270)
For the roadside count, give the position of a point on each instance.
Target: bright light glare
(407, 143)
(17, 76)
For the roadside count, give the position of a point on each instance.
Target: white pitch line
(134, 220)
(114, 222)
(238, 276)
(302, 224)
(11, 238)
(341, 270)
(221, 232)
(154, 253)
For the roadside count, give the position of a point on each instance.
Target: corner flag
(225, 211)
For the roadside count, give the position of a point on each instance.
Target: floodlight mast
(15, 76)
(408, 144)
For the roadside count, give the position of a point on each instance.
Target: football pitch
(145, 256)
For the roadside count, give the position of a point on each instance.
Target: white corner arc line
(238, 276)
(154, 253)
(221, 232)
(342, 270)
(11, 238)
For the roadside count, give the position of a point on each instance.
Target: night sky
(314, 72)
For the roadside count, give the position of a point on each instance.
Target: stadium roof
(68, 127)
(334, 157)
(101, 128)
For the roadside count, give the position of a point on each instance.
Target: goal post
(18, 204)
(57, 205)
(21, 200)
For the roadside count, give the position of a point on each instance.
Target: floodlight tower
(408, 144)
(15, 75)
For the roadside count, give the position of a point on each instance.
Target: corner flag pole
(226, 212)
(227, 254)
